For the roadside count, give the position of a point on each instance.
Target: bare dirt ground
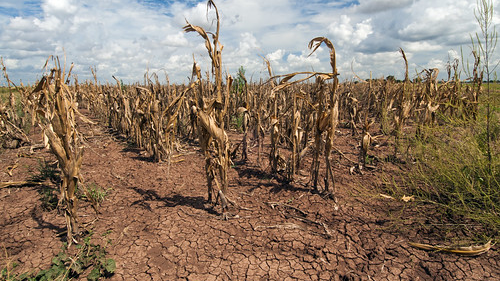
(161, 228)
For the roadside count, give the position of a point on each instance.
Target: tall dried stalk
(11, 132)
(56, 113)
(326, 121)
(210, 130)
(244, 112)
(11, 109)
(366, 141)
(404, 105)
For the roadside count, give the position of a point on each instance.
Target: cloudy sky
(125, 38)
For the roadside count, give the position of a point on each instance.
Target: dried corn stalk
(366, 141)
(56, 114)
(213, 139)
(404, 106)
(11, 134)
(327, 121)
(474, 250)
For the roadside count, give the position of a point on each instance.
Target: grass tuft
(452, 170)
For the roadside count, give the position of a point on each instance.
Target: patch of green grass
(47, 171)
(4, 94)
(48, 196)
(7, 275)
(452, 171)
(96, 194)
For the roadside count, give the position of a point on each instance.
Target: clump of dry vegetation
(57, 109)
(210, 112)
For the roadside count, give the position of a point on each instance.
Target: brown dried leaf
(241, 109)
(367, 140)
(465, 251)
(407, 198)
(209, 124)
(10, 168)
(18, 183)
(386, 196)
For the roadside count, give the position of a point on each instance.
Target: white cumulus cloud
(349, 34)
(126, 38)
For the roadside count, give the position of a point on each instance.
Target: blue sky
(126, 38)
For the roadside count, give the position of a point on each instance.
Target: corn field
(289, 117)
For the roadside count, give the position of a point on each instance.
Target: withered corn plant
(385, 97)
(366, 141)
(327, 121)
(284, 125)
(213, 139)
(243, 110)
(57, 108)
(259, 112)
(427, 102)
(150, 115)
(12, 134)
(10, 109)
(323, 101)
(274, 154)
(404, 103)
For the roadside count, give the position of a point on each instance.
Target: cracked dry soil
(161, 228)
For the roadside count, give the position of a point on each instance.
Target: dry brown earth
(162, 229)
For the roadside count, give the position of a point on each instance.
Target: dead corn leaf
(11, 168)
(407, 198)
(241, 110)
(386, 196)
(465, 251)
(18, 183)
(286, 225)
(351, 170)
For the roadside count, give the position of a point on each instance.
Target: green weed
(48, 193)
(95, 193)
(452, 170)
(88, 258)
(237, 122)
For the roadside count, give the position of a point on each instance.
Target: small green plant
(46, 171)
(239, 82)
(7, 269)
(48, 197)
(87, 257)
(237, 121)
(369, 160)
(122, 86)
(48, 193)
(6, 275)
(95, 193)
(484, 45)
